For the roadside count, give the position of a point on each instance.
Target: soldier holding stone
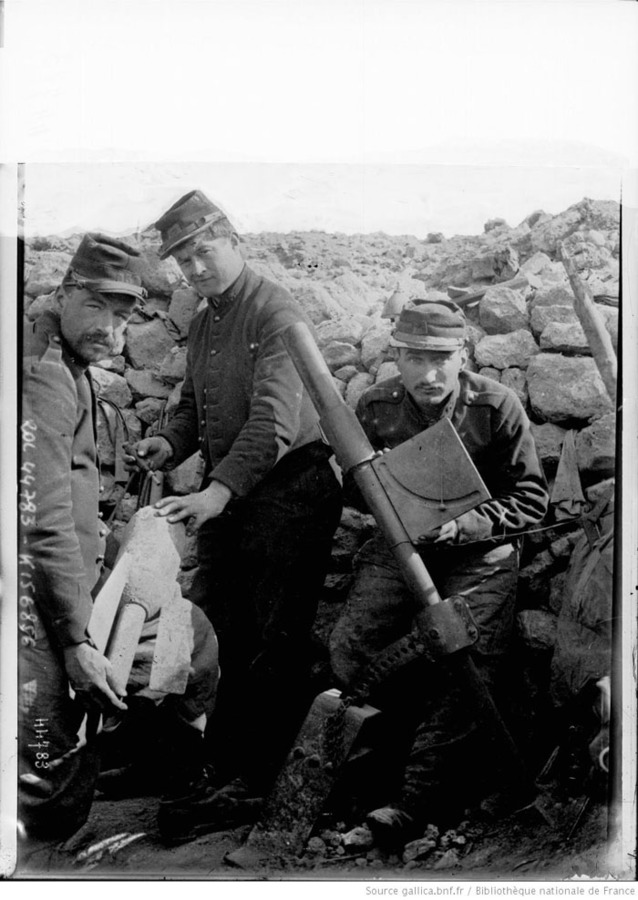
(62, 675)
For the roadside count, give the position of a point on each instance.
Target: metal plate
(430, 479)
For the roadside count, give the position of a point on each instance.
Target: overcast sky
(353, 116)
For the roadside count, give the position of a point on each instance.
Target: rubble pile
(524, 332)
(435, 849)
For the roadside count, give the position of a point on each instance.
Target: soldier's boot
(188, 774)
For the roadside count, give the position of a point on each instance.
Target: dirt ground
(522, 846)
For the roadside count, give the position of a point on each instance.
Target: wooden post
(593, 325)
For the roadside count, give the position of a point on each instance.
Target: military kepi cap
(189, 216)
(106, 265)
(430, 325)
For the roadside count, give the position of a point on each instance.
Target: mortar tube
(354, 454)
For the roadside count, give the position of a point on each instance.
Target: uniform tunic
(242, 402)
(61, 552)
(481, 565)
(262, 562)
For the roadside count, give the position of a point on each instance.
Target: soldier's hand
(91, 673)
(151, 453)
(446, 534)
(202, 506)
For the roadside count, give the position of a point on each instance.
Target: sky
(407, 116)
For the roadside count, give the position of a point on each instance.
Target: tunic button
(213, 352)
(101, 489)
(216, 318)
(100, 515)
(203, 422)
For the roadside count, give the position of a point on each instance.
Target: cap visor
(168, 249)
(411, 342)
(116, 287)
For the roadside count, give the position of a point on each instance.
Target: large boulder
(47, 273)
(173, 366)
(111, 386)
(345, 373)
(542, 316)
(537, 629)
(564, 337)
(375, 343)
(474, 334)
(160, 277)
(36, 306)
(495, 265)
(563, 388)
(147, 343)
(490, 372)
(537, 264)
(338, 354)
(502, 310)
(187, 477)
(504, 350)
(183, 306)
(548, 439)
(356, 387)
(514, 378)
(386, 370)
(558, 295)
(352, 293)
(596, 447)
(145, 384)
(345, 329)
(315, 301)
(148, 410)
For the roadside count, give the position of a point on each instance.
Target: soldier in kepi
(439, 747)
(266, 511)
(65, 682)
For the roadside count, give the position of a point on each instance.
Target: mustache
(100, 337)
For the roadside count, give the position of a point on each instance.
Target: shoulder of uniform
(274, 296)
(41, 336)
(265, 284)
(477, 390)
(390, 390)
(272, 306)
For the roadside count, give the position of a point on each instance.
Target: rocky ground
(525, 333)
(519, 847)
